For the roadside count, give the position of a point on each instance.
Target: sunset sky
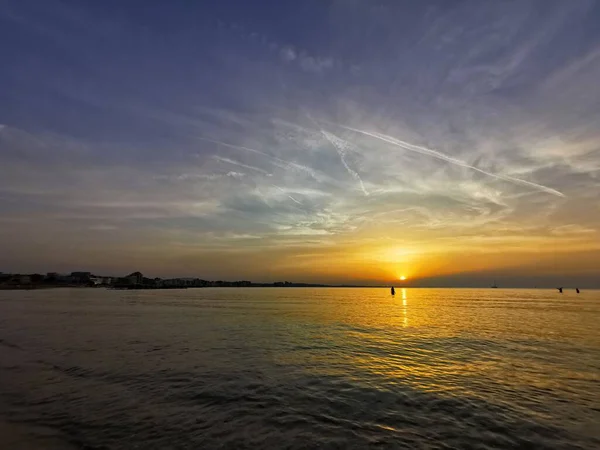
(451, 142)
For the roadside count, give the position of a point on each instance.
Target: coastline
(35, 287)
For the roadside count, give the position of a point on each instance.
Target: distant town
(135, 280)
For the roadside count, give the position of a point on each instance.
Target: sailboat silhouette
(494, 286)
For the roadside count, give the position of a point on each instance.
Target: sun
(402, 278)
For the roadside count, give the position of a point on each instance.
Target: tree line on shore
(135, 280)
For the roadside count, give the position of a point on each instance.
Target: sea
(299, 368)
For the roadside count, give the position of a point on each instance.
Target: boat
(494, 286)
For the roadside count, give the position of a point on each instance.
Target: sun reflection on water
(452, 336)
(404, 314)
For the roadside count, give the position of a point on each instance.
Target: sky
(456, 143)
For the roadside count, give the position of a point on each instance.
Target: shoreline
(258, 286)
(35, 287)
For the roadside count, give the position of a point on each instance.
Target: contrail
(248, 149)
(458, 162)
(282, 163)
(287, 195)
(263, 197)
(339, 146)
(236, 163)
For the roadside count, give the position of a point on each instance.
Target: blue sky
(316, 140)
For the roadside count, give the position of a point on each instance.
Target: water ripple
(286, 369)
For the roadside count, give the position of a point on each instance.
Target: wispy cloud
(439, 155)
(468, 128)
(306, 62)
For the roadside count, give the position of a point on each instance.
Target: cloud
(468, 129)
(342, 147)
(439, 155)
(102, 227)
(306, 62)
(288, 54)
(239, 164)
(315, 64)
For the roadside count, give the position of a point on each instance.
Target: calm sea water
(300, 368)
